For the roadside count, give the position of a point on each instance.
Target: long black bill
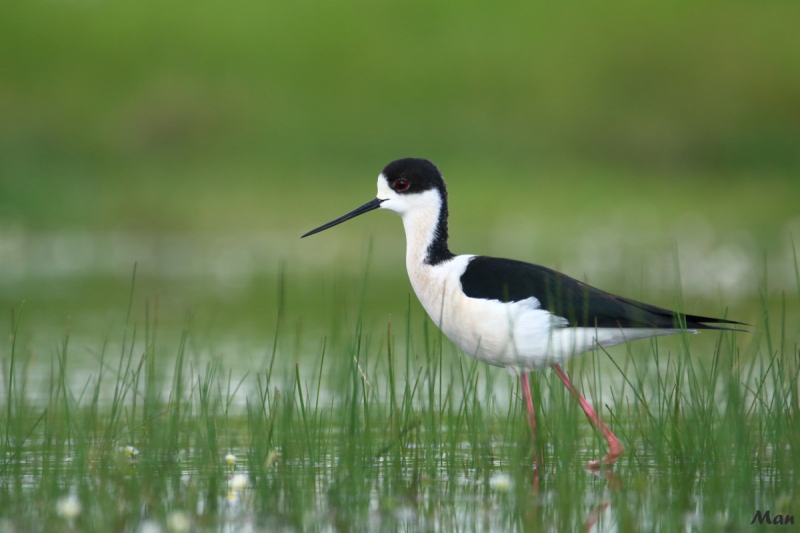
(369, 206)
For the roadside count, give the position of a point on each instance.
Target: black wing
(507, 280)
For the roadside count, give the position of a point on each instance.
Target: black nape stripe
(438, 250)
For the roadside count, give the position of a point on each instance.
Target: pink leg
(526, 394)
(615, 447)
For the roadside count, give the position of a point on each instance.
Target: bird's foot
(538, 469)
(615, 450)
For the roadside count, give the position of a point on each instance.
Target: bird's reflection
(598, 519)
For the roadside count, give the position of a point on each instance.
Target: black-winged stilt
(509, 313)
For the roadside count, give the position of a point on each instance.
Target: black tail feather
(705, 322)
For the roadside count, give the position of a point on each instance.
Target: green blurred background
(621, 142)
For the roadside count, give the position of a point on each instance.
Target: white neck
(420, 213)
(420, 226)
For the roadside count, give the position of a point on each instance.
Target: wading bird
(509, 313)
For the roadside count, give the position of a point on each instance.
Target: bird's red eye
(401, 185)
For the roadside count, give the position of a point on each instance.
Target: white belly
(517, 335)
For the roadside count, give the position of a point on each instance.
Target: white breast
(501, 334)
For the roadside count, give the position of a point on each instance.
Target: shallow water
(293, 495)
(195, 366)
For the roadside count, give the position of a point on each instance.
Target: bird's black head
(409, 186)
(412, 175)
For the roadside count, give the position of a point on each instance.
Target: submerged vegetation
(394, 430)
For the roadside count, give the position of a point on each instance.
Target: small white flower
(693, 519)
(69, 507)
(149, 526)
(178, 522)
(129, 451)
(239, 481)
(230, 459)
(500, 481)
